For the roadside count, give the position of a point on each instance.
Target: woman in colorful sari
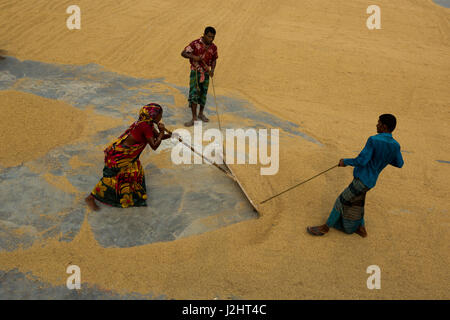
(123, 182)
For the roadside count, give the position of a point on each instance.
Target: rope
(218, 120)
(215, 103)
(298, 185)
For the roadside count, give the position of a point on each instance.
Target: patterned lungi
(198, 90)
(348, 211)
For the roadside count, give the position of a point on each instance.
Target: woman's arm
(167, 136)
(162, 129)
(155, 141)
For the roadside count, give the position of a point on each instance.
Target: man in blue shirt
(380, 150)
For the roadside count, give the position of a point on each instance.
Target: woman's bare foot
(361, 231)
(90, 200)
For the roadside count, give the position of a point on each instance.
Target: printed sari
(123, 181)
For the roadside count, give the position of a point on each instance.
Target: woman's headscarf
(147, 113)
(150, 112)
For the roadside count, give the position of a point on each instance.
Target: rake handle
(196, 152)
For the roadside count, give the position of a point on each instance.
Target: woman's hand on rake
(161, 127)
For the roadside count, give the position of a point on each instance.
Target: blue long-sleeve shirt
(380, 150)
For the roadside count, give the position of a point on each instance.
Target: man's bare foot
(318, 230)
(90, 200)
(361, 231)
(190, 123)
(203, 117)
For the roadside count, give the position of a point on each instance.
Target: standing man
(202, 54)
(380, 150)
